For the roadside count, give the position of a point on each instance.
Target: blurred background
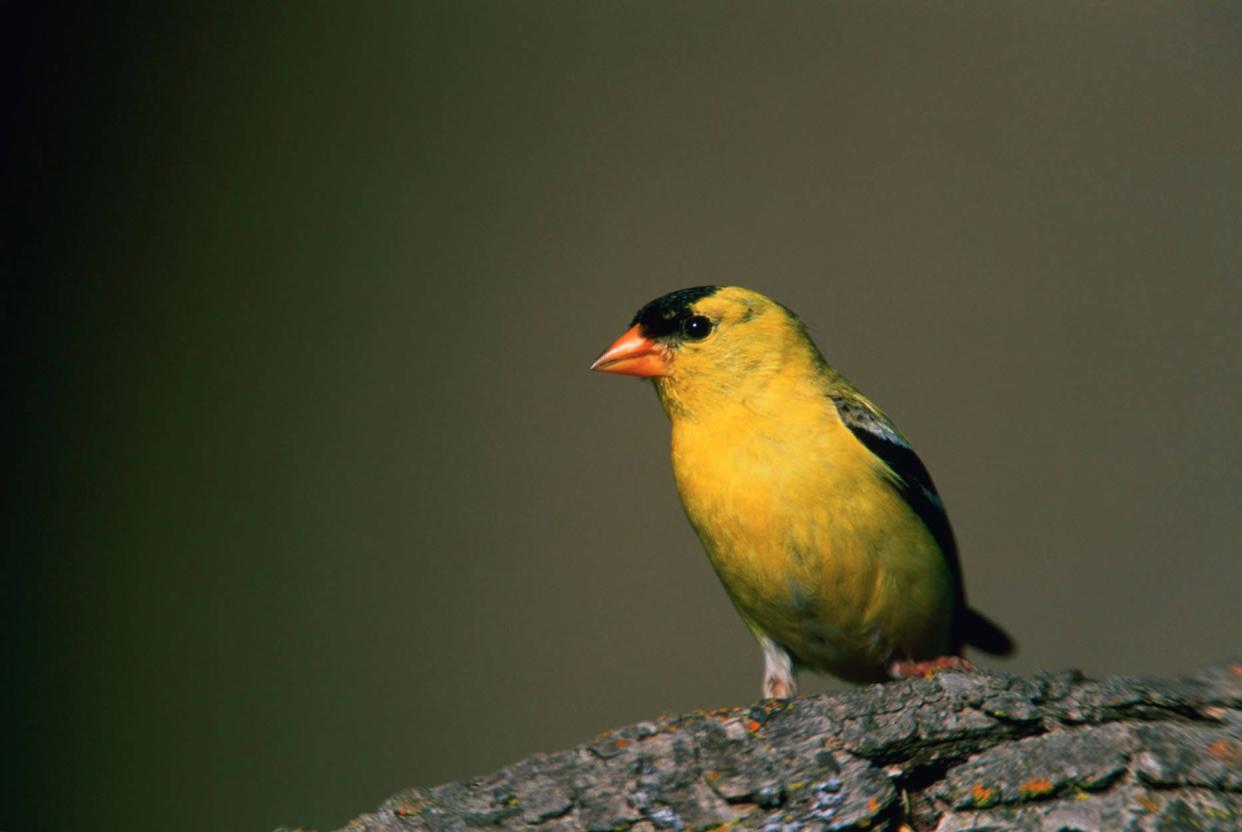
(313, 495)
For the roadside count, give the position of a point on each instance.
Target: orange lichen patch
(982, 795)
(622, 742)
(873, 805)
(1149, 804)
(1236, 670)
(1226, 750)
(753, 726)
(1038, 787)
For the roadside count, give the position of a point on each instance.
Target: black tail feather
(981, 632)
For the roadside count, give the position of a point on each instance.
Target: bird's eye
(697, 328)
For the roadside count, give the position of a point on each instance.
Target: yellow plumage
(828, 552)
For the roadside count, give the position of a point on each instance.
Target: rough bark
(961, 751)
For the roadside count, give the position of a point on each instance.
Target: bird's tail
(979, 631)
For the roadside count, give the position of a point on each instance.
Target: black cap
(663, 316)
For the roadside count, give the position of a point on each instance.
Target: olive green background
(315, 498)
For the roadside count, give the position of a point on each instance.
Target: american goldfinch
(821, 522)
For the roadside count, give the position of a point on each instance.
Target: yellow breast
(813, 544)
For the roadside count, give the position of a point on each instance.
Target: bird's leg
(779, 681)
(905, 669)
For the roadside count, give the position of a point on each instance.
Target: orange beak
(634, 355)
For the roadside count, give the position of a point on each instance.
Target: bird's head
(709, 343)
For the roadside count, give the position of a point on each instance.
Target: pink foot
(779, 689)
(927, 669)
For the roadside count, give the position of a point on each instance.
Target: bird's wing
(908, 475)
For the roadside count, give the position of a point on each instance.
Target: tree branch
(960, 751)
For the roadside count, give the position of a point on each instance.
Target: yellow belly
(816, 549)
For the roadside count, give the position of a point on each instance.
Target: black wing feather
(913, 482)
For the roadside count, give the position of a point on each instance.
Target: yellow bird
(820, 520)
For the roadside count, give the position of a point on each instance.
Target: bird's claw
(928, 669)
